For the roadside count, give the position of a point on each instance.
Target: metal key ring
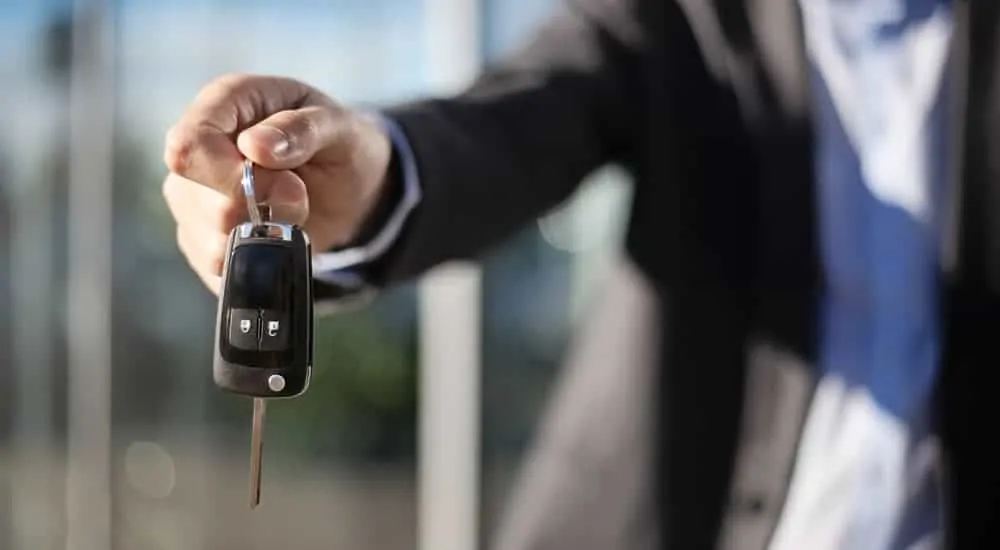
(259, 213)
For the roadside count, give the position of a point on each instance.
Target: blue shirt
(866, 475)
(868, 471)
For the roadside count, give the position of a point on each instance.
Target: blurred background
(112, 434)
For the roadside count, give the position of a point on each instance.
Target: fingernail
(273, 139)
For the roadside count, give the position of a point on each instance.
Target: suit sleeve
(520, 139)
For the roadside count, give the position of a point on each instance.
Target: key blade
(256, 450)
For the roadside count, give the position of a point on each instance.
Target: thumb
(289, 139)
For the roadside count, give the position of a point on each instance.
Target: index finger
(202, 146)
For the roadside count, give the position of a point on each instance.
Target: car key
(264, 327)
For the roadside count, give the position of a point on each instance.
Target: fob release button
(274, 330)
(243, 325)
(276, 382)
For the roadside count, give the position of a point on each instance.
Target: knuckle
(233, 79)
(180, 145)
(216, 254)
(173, 189)
(214, 267)
(226, 83)
(205, 251)
(167, 191)
(306, 128)
(228, 215)
(299, 129)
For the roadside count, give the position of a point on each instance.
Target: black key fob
(264, 328)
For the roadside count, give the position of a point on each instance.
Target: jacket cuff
(350, 272)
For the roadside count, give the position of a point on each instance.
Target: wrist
(369, 250)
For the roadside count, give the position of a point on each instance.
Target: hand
(319, 165)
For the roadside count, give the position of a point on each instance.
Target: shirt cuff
(340, 267)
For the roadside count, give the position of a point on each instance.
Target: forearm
(518, 141)
(521, 138)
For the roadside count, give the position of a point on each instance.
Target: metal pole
(89, 285)
(450, 328)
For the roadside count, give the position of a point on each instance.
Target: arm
(520, 139)
(480, 164)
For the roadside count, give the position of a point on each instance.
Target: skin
(318, 164)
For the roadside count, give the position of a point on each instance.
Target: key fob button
(243, 329)
(274, 330)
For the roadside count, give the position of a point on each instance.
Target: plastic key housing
(264, 324)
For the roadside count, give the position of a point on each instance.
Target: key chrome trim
(268, 230)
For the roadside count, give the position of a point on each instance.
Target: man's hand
(318, 165)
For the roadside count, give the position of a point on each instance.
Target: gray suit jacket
(680, 409)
